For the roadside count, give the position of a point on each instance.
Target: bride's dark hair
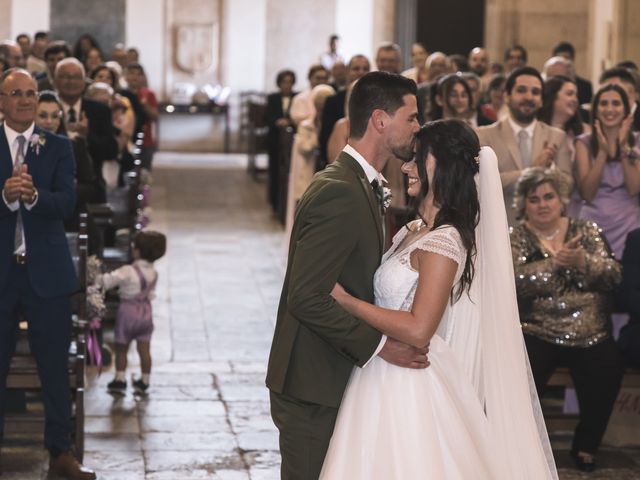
(456, 148)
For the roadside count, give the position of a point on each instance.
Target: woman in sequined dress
(564, 278)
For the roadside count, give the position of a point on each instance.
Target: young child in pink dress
(134, 321)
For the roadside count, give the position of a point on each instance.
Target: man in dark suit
(337, 236)
(36, 272)
(334, 106)
(277, 117)
(84, 117)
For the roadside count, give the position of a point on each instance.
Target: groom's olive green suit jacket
(337, 236)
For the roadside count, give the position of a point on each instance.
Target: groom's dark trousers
(336, 237)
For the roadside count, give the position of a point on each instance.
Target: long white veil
(506, 384)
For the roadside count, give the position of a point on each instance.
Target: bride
(447, 279)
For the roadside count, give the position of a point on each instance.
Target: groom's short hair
(376, 91)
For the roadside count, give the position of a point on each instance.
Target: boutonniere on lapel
(384, 197)
(36, 141)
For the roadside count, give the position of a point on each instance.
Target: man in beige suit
(521, 141)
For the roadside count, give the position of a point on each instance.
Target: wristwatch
(34, 197)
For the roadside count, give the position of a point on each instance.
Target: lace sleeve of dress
(444, 241)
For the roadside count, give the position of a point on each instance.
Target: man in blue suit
(36, 272)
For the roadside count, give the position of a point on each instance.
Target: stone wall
(105, 21)
(538, 26)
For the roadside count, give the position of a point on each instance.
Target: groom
(337, 236)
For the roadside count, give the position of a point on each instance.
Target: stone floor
(207, 415)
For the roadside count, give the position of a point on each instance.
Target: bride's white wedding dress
(473, 414)
(399, 423)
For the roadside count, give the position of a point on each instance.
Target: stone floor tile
(219, 440)
(113, 442)
(109, 461)
(113, 423)
(194, 408)
(182, 424)
(206, 460)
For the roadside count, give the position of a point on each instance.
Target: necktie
(523, 146)
(17, 165)
(377, 189)
(71, 116)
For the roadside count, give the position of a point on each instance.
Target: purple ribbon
(93, 346)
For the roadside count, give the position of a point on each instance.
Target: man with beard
(479, 64)
(521, 141)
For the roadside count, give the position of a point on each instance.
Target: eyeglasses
(30, 94)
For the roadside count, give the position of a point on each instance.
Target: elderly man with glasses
(37, 275)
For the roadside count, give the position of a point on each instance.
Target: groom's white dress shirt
(372, 174)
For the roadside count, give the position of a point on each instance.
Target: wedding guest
(565, 275)
(37, 276)
(83, 117)
(451, 98)
(119, 55)
(302, 105)
(519, 139)
(515, 56)
(418, 72)
(568, 51)
(54, 53)
(340, 132)
(389, 57)
(560, 107)
(83, 45)
(277, 117)
(557, 66)
(136, 79)
(459, 62)
(133, 56)
(328, 58)
(495, 97)
(625, 79)
(334, 108)
(35, 58)
(479, 64)
(438, 65)
(25, 44)
(110, 73)
(49, 116)
(338, 76)
(134, 321)
(123, 121)
(476, 117)
(12, 53)
(93, 58)
(607, 167)
(304, 152)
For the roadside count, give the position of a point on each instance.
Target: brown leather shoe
(67, 466)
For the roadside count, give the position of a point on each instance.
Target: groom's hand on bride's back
(404, 355)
